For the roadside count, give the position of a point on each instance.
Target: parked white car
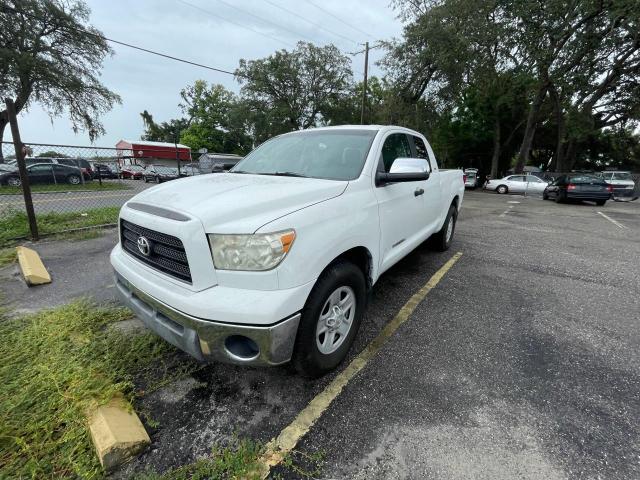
(622, 182)
(517, 184)
(272, 261)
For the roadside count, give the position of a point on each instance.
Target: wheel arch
(361, 257)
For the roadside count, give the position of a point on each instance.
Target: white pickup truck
(272, 262)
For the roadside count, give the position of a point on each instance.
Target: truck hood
(239, 203)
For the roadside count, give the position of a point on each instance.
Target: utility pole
(364, 83)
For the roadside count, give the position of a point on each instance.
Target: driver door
(400, 205)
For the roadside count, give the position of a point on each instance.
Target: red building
(142, 152)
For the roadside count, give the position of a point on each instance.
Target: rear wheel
(441, 240)
(502, 189)
(600, 202)
(330, 319)
(73, 179)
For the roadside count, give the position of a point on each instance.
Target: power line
(339, 19)
(135, 47)
(208, 12)
(262, 19)
(317, 25)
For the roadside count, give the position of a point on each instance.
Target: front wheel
(545, 196)
(600, 202)
(14, 182)
(330, 320)
(441, 240)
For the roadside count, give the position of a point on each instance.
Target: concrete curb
(32, 268)
(117, 433)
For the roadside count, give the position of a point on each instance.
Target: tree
(294, 90)
(162, 132)
(50, 55)
(52, 154)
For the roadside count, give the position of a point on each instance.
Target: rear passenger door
(432, 197)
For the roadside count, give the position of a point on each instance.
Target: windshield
(327, 154)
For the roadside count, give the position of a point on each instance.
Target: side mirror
(404, 170)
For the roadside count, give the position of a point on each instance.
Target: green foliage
(56, 365)
(52, 154)
(293, 90)
(47, 57)
(7, 256)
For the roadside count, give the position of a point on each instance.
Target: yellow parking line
(288, 438)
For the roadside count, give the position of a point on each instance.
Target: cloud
(153, 83)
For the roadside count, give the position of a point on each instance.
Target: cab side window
(395, 146)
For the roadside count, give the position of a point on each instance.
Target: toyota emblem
(144, 246)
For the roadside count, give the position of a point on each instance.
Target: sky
(212, 32)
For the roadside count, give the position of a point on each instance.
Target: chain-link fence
(76, 187)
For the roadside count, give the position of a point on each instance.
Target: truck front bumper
(208, 340)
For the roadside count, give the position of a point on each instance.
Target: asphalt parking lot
(523, 362)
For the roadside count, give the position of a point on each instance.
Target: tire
(559, 197)
(146, 180)
(337, 282)
(545, 196)
(600, 202)
(74, 179)
(14, 182)
(441, 241)
(502, 189)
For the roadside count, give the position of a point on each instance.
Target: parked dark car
(105, 170)
(160, 173)
(46, 173)
(132, 171)
(579, 186)
(77, 162)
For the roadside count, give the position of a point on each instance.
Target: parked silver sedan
(517, 184)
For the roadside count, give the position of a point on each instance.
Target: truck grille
(166, 252)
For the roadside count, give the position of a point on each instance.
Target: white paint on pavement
(615, 222)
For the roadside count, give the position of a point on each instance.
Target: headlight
(260, 251)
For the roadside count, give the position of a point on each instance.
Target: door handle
(418, 192)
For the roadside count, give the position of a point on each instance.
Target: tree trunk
(569, 158)
(530, 129)
(496, 149)
(558, 158)
(3, 124)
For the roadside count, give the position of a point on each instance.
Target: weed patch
(55, 365)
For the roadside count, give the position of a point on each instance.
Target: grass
(7, 256)
(55, 365)
(235, 461)
(93, 186)
(14, 224)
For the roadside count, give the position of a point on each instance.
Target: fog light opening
(241, 347)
